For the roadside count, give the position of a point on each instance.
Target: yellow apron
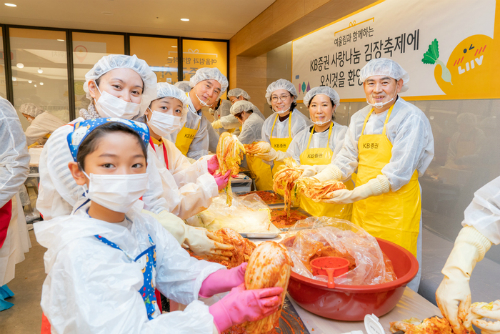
(261, 173)
(185, 136)
(393, 216)
(281, 144)
(323, 156)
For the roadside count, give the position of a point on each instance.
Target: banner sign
(446, 46)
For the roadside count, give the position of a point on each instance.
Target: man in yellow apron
(390, 143)
(279, 129)
(208, 84)
(251, 130)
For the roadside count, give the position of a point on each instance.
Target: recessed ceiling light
(29, 81)
(14, 79)
(35, 85)
(40, 70)
(174, 46)
(20, 65)
(10, 4)
(60, 40)
(170, 57)
(41, 83)
(185, 20)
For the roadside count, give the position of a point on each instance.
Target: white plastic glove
(310, 171)
(217, 125)
(200, 241)
(488, 327)
(374, 187)
(453, 295)
(331, 172)
(272, 155)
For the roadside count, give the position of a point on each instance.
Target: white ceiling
(219, 19)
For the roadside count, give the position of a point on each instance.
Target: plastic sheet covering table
(410, 305)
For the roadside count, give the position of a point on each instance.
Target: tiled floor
(25, 316)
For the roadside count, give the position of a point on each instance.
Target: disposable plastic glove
(222, 180)
(331, 172)
(310, 171)
(272, 155)
(223, 280)
(217, 125)
(242, 305)
(374, 187)
(453, 295)
(212, 164)
(200, 241)
(488, 327)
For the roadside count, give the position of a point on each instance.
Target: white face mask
(116, 192)
(110, 106)
(281, 111)
(379, 105)
(164, 124)
(203, 103)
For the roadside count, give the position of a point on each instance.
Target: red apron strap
(165, 156)
(5, 216)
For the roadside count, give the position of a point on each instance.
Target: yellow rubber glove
(272, 155)
(374, 187)
(200, 241)
(331, 172)
(217, 125)
(487, 327)
(453, 295)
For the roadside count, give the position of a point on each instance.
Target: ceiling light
(185, 20)
(20, 65)
(170, 57)
(41, 83)
(29, 81)
(35, 85)
(40, 70)
(10, 4)
(174, 46)
(14, 79)
(60, 40)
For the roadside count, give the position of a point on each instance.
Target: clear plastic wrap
(324, 236)
(246, 214)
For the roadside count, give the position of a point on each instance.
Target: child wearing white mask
(105, 260)
(166, 115)
(121, 86)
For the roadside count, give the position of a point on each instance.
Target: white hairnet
(164, 89)
(281, 84)
(325, 90)
(241, 106)
(111, 62)
(237, 92)
(206, 73)
(183, 85)
(385, 66)
(30, 109)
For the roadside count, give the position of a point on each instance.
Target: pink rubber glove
(223, 280)
(212, 164)
(222, 180)
(242, 305)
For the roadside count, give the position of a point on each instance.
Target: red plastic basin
(353, 302)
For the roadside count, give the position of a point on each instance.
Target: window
(3, 88)
(88, 48)
(198, 54)
(160, 54)
(39, 70)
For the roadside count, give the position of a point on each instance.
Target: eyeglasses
(275, 98)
